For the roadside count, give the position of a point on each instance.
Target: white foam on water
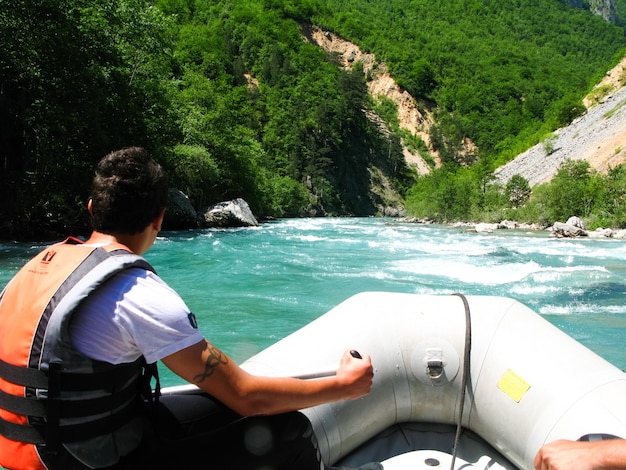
(469, 273)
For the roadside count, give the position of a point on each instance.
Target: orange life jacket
(50, 394)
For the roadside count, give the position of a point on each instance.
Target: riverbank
(556, 230)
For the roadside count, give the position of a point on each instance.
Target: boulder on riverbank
(561, 230)
(180, 214)
(483, 227)
(235, 213)
(574, 227)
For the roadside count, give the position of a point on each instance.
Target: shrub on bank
(463, 194)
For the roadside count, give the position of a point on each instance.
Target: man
(80, 321)
(576, 455)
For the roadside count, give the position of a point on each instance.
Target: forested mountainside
(499, 72)
(235, 103)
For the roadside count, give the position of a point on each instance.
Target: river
(250, 287)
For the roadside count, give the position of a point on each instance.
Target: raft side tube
(530, 382)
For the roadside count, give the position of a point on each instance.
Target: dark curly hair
(129, 191)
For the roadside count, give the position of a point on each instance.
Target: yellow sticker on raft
(513, 385)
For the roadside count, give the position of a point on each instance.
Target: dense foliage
(227, 96)
(78, 79)
(234, 103)
(503, 73)
(576, 190)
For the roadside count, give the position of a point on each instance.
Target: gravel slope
(599, 136)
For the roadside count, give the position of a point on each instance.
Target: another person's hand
(564, 455)
(574, 455)
(356, 374)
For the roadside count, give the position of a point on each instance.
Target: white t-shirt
(135, 313)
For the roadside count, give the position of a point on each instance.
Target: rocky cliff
(380, 82)
(598, 136)
(604, 8)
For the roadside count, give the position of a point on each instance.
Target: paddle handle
(324, 373)
(315, 375)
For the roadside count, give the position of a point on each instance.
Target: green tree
(289, 197)
(517, 191)
(446, 195)
(195, 172)
(79, 78)
(417, 77)
(572, 191)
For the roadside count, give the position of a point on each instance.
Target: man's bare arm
(214, 359)
(210, 369)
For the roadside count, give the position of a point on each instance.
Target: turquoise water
(250, 287)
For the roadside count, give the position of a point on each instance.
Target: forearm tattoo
(216, 357)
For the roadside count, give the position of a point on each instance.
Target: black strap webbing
(23, 375)
(466, 379)
(37, 434)
(38, 407)
(47, 414)
(22, 405)
(99, 380)
(74, 382)
(21, 432)
(150, 371)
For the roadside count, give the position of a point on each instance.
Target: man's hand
(356, 374)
